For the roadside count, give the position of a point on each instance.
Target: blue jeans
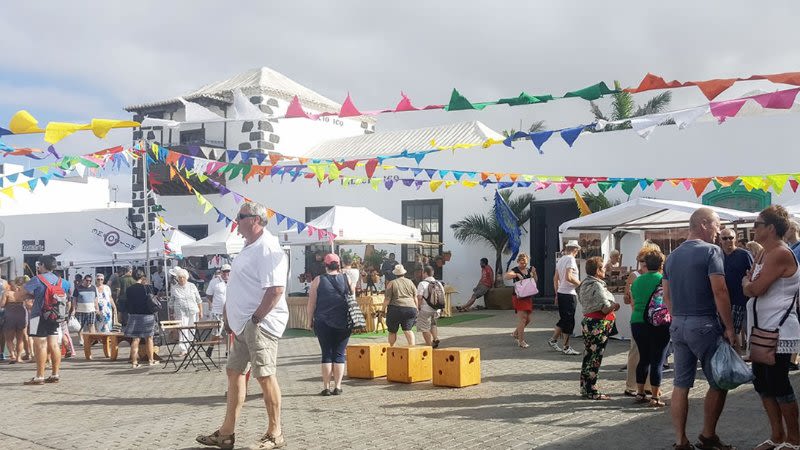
(694, 338)
(332, 342)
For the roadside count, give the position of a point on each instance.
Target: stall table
(369, 304)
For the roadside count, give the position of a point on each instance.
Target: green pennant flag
(629, 186)
(460, 103)
(246, 168)
(605, 185)
(234, 172)
(525, 99)
(88, 163)
(592, 92)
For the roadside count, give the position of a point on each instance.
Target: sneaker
(34, 381)
(269, 441)
(571, 351)
(554, 345)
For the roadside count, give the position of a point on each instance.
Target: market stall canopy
(354, 225)
(222, 242)
(176, 240)
(647, 213)
(90, 253)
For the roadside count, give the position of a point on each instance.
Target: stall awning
(354, 225)
(647, 213)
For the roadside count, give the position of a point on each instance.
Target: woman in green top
(651, 340)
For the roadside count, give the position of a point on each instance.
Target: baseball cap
(331, 257)
(225, 268)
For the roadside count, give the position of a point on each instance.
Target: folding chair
(164, 326)
(202, 338)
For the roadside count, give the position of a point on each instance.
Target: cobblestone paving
(528, 399)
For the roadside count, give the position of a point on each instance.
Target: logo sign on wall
(114, 238)
(33, 246)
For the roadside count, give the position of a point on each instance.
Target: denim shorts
(694, 338)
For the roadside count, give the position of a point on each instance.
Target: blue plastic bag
(728, 368)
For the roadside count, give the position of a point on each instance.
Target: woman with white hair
(187, 305)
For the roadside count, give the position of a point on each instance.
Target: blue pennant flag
(13, 177)
(290, 222)
(505, 184)
(430, 172)
(260, 157)
(571, 134)
(231, 155)
(539, 139)
(300, 227)
(509, 223)
(28, 173)
(280, 217)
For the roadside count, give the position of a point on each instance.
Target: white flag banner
(113, 238)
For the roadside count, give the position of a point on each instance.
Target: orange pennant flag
(513, 176)
(699, 185)
(484, 176)
(499, 176)
(726, 181)
(274, 158)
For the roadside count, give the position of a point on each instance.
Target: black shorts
(43, 328)
(566, 312)
(773, 381)
(400, 317)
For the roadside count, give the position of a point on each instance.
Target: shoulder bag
(526, 287)
(355, 318)
(764, 343)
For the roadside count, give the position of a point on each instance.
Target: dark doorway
(546, 218)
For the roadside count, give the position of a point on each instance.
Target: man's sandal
(598, 396)
(640, 398)
(52, 379)
(217, 440)
(656, 402)
(766, 445)
(34, 382)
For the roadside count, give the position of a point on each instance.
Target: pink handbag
(526, 288)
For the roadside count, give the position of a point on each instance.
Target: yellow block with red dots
(409, 364)
(456, 366)
(367, 360)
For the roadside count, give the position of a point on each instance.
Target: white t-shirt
(564, 263)
(212, 283)
(157, 281)
(217, 293)
(422, 291)
(353, 276)
(259, 266)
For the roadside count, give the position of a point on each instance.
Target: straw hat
(572, 243)
(399, 270)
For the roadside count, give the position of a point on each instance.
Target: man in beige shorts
(256, 314)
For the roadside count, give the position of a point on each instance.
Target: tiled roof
(261, 81)
(390, 142)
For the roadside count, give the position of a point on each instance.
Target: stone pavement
(528, 399)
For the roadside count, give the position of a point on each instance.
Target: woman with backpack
(327, 311)
(651, 340)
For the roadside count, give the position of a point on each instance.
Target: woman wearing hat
(565, 281)
(400, 305)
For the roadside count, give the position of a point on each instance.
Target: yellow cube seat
(456, 366)
(366, 360)
(409, 364)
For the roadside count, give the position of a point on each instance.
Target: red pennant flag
(295, 109)
(348, 108)
(405, 104)
(370, 167)
(793, 184)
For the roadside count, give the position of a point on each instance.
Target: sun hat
(399, 270)
(331, 258)
(225, 268)
(572, 243)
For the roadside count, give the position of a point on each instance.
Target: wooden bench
(110, 342)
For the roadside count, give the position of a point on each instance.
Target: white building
(754, 145)
(52, 218)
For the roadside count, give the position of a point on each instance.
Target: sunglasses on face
(757, 224)
(726, 238)
(242, 216)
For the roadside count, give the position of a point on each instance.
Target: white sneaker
(554, 345)
(571, 351)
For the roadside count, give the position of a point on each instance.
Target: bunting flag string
(198, 114)
(238, 198)
(712, 88)
(24, 123)
(116, 156)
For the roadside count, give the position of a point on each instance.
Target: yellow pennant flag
(751, 183)
(375, 182)
(434, 184)
(24, 123)
(208, 207)
(777, 182)
(469, 184)
(9, 191)
(449, 183)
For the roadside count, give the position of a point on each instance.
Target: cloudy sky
(68, 63)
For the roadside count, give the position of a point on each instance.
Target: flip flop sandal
(217, 440)
(656, 402)
(640, 398)
(34, 382)
(51, 379)
(766, 445)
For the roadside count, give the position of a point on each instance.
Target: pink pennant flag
(405, 104)
(687, 184)
(777, 100)
(321, 234)
(562, 187)
(295, 109)
(348, 108)
(429, 107)
(658, 183)
(729, 108)
(311, 230)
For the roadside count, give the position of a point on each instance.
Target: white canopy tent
(354, 225)
(222, 242)
(648, 214)
(176, 238)
(90, 253)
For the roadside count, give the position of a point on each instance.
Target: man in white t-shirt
(565, 281)
(256, 313)
(216, 293)
(426, 318)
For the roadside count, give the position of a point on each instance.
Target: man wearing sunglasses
(737, 262)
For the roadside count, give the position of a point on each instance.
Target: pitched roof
(254, 82)
(391, 142)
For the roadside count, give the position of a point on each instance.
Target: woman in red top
(522, 305)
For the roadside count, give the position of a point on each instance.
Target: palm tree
(484, 229)
(623, 107)
(598, 202)
(535, 126)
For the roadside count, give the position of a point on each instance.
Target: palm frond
(478, 228)
(536, 126)
(509, 133)
(622, 106)
(598, 113)
(655, 105)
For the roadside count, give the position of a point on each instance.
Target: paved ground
(528, 399)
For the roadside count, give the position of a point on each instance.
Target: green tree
(598, 202)
(484, 229)
(535, 126)
(623, 107)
